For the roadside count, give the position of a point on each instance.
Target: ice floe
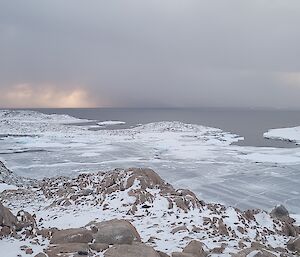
(287, 134)
(111, 122)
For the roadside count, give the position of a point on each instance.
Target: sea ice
(200, 158)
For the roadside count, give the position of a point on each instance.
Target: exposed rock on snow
(294, 245)
(279, 212)
(195, 248)
(115, 232)
(8, 221)
(111, 212)
(72, 235)
(134, 250)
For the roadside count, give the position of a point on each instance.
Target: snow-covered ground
(166, 219)
(4, 186)
(188, 156)
(288, 134)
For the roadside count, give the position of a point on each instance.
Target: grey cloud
(155, 53)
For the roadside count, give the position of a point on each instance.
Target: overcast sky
(154, 53)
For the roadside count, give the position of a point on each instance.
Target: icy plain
(190, 156)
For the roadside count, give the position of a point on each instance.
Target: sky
(154, 53)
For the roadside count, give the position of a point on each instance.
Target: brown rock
(99, 247)
(134, 250)
(72, 235)
(161, 254)
(29, 251)
(279, 212)
(195, 248)
(180, 228)
(40, 255)
(257, 246)
(25, 219)
(264, 253)
(116, 232)
(294, 245)
(55, 250)
(5, 231)
(46, 233)
(178, 254)
(254, 252)
(289, 229)
(6, 217)
(222, 228)
(244, 252)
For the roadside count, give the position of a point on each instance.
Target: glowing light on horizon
(48, 96)
(290, 78)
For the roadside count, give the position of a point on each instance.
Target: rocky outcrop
(134, 206)
(279, 212)
(138, 183)
(8, 177)
(10, 224)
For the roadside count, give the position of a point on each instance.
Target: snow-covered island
(287, 134)
(132, 213)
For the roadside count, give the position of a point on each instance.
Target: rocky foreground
(133, 213)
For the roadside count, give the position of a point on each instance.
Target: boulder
(99, 247)
(134, 250)
(6, 217)
(178, 229)
(25, 219)
(116, 232)
(294, 245)
(195, 248)
(72, 235)
(56, 250)
(29, 251)
(279, 212)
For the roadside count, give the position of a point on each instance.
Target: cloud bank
(138, 53)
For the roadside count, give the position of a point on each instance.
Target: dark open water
(251, 124)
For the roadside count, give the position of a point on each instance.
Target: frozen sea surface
(200, 158)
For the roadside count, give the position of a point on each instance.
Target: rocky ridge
(134, 212)
(7, 176)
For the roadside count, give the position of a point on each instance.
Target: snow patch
(111, 122)
(4, 186)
